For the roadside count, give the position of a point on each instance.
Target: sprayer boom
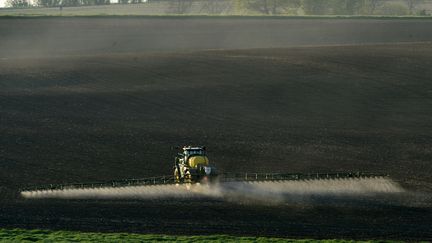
(225, 177)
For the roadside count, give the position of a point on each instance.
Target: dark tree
(272, 6)
(354, 7)
(372, 5)
(102, 2)
(411, 4)
(316, 7)
(18, 3)
(70, 3)
(180, 6)
(216, 6)
(347, 7)
(49, 3)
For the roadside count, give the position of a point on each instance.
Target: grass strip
(35, 235)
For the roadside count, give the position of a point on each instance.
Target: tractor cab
(194, 156)
(188, 151)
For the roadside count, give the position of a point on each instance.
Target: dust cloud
(96, 36)
(370, 190)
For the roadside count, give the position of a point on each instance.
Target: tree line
(333, 7)
(265, 7)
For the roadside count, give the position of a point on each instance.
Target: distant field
(58, 36)
(56, 236)
(152, 8)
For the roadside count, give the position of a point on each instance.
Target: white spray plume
(269, 192)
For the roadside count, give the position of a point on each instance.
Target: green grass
(21, 235)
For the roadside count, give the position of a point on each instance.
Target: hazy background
(221, 7)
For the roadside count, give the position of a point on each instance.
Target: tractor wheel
(188, 177)
(176, 176)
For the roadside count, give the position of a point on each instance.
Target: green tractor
(192, 166)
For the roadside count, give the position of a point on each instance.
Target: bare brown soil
(74, 117)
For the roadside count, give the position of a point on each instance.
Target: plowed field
(104, 99)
